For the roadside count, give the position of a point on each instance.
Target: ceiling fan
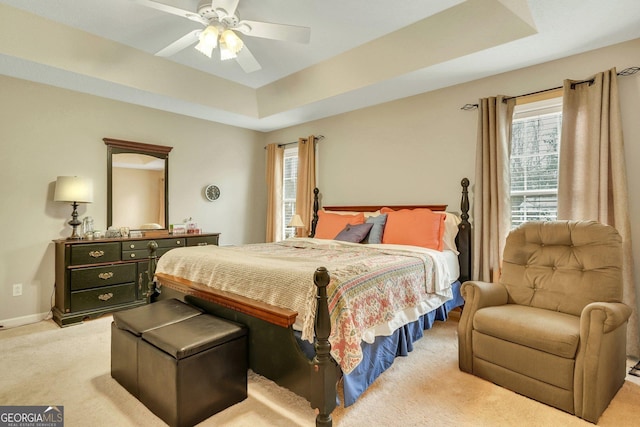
(221, 21)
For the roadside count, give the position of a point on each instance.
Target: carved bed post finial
(314, 221)
(464, 202)
(324, 374)
(463, 239)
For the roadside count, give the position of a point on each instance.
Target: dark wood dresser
(94, 277)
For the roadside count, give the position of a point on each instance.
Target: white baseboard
(24, 320)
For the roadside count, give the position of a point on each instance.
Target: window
(535, 149)
(289, 181)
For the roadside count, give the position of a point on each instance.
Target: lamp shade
(225, 52)
(208, 40)
(232, 41)
(73, 189)
(296, 221)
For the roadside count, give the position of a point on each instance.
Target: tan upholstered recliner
(554, 328)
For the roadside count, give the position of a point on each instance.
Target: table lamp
(74, 190)
(296, 222)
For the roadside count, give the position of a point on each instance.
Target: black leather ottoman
(190, 370)
(127, 328)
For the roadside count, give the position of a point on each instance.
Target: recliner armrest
(614, 314)
(600, 362)
(478, 294)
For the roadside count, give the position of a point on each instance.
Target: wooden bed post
(324, 371)
(463, 239)
(314, 220)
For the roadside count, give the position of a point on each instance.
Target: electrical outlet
(17, 289)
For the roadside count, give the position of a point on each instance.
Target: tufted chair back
(562, 265)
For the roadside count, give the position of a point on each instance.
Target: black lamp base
(75, 222)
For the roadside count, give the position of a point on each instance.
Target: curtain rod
(316, 138)
(626, 72)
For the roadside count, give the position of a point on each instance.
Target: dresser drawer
(93, 277)
(139, 249)
(202, 240)
(136, 245)
(95, 253)
(143, 254)
(105, 296)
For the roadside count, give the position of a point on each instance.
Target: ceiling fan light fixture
(208, 40)
(225, 52)
(219, 28)
(232, 41)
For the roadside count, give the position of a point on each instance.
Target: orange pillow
(417, 227)
(330, 225)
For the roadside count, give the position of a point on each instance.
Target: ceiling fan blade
(225, 7)
(247, 61)
(267, 30)
(173, 10)
(182, 43)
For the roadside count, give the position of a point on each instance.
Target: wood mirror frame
(116, 146)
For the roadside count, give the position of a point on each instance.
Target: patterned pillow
(354, 233)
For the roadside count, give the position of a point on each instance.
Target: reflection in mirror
(131, 172)
(137, 195)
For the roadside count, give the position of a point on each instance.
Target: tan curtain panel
(275, 163)
(592, 184)
(492, 187)
(306, 183)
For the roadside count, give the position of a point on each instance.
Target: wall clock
(211, 192)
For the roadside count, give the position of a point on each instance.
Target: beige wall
(416, 150)
(46, 132)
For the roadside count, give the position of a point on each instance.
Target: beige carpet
(45, 365)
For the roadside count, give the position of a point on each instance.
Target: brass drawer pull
(105, 297)
(202, 244)
(132, 246)
(132, 255)
(105, 276)
(96, 254)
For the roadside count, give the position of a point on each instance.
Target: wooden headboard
(373, 208)
(463, 239)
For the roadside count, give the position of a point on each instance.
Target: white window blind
(535, 149)
(289, 182)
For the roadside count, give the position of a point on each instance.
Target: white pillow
(451, 222)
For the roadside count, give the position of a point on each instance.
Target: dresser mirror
(137, 185)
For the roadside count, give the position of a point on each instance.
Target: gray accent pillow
(375, 235)
(354, 233)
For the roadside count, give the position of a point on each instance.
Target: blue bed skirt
(379, 355)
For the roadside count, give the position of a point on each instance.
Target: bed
(356, 320)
